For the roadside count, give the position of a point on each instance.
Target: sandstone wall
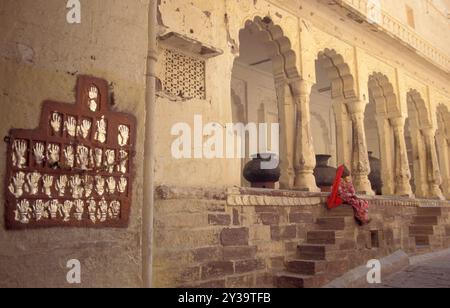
(40, 57)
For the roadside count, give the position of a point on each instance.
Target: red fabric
(334, 200)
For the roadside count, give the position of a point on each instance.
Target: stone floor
(434, 273)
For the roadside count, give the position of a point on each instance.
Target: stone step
(422, 240)
(321, 237)
(335, 223)
(421, 230)
(314, 252)
(290, 280)
(342, 211)
(426, 220)
(306, 267)
(429, 211)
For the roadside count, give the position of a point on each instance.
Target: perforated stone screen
(184, 76)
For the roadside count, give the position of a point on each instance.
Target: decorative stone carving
(111, 185)
(53, 154)
(61, 185)
(93, 98)
(100, 134)
(67, 157)
(65, 210)
(33, 183)
(16, 186)
(434, 174)
(79, 210)
(56, 122)
(402, 172)
(114, 210)
(110, 160)
(102, 213)
(19, 154)
(71, 126)
(38, 210)
(122, 186)
(123, 160)
(124, 135)
(39, 153)
(100, 185)
(23, 211)
(84, 128)
(83, 157)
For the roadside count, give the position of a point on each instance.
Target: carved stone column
(305, 160)
(433, 172)
(402, 172)
(360, 157)
(343, 126)
(286, 116)
(446, 157)
(386, 155)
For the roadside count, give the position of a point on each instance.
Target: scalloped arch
(443, 114)
(416, 104)
(342, 80)
(383, 93)
(279, 46)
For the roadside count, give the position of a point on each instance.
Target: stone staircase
(427, 230)
(325, 255)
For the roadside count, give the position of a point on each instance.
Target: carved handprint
(38, 152)
(39, 209)
(83, 157)
(16, 187)
(122, 186)
(110, 160)
(114, 209)
(69, 156)
(55, 122)
(88, 183)
(65, 209)
(61, 185)
(98, 157)
(79, 210)
(111, 182)
(19, 155)
(76, 188)
(93, 97)
(102, 211)
(100, 185)
(100, 134)
(71, 126)
(53, 154)
(48, 183)
(84, 128)
(53, 209)
(33, 183)
(23, 212)
(92, 209)
(122, 167)
(124, 135)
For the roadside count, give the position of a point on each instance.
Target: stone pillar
(433, 172)
(305, 160)
(286, 117)
(386, 154)
(446, 158)
(343, 126)
(360, 156)
(402, 173)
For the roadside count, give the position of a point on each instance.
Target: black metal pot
(375, 174)
(323, 173)
(262, 178)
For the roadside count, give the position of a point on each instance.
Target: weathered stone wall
(40, 57)
(214, 238)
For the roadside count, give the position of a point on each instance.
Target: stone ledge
(242, 196)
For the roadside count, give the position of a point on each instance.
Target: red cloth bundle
(334, 200)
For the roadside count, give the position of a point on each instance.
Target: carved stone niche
(75, 169)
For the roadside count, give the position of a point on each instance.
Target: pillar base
(306, 182)
(363, 186)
